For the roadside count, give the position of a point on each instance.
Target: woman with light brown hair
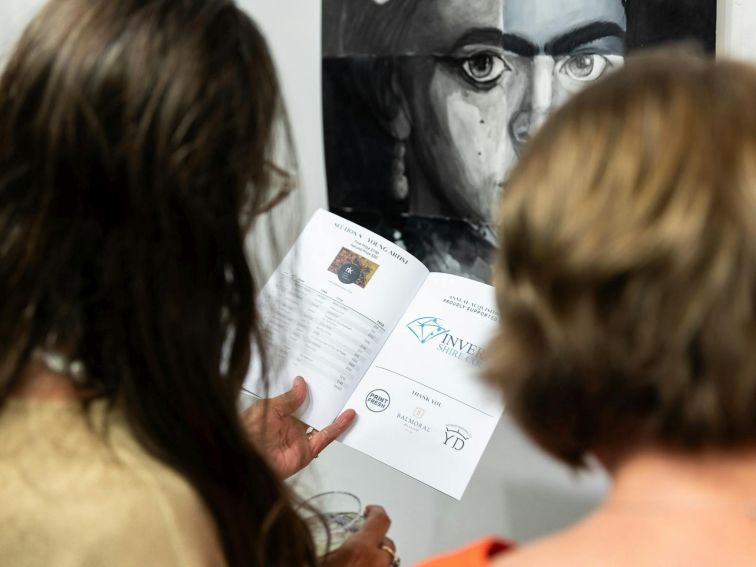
(136, 142)
(626, 282)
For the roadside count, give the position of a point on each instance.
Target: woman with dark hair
(135, 153)
(428, 104)
(626, 282)
(433, 101)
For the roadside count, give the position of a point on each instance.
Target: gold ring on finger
(395, 561)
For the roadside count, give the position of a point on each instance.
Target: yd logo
(456, 437)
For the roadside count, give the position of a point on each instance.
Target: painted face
(480, 77)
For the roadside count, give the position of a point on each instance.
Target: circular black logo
(378, 401)
(349, 273)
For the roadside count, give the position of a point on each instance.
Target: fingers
(288, 402)
(376, 525)
(369, 547)
(319, 440)
(389, 547)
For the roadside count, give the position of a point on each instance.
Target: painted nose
(536, 104)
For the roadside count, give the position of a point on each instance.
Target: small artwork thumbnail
(351, 268)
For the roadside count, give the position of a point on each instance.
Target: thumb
(288, 402)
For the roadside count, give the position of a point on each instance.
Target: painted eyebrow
(584, 34)
(496, 38)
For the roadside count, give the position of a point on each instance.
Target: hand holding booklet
(370, 328)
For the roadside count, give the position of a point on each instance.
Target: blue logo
(427, 328)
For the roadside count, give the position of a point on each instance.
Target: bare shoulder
(550, 551)
(585, 543)
(638, 541)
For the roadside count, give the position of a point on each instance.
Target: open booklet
(370, 328)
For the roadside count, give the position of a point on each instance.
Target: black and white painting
(428, 103)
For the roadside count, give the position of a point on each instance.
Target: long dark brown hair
(135, 138)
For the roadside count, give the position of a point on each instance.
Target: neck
(426, 198)
(38, 382)
(664, 481)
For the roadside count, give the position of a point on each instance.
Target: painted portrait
(428, 103)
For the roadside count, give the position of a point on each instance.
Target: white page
(423, 408)
(328, 309)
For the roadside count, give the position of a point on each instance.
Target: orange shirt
(476, 555)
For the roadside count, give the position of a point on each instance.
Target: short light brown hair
(626, 274)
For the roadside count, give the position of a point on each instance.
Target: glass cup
(331, 518)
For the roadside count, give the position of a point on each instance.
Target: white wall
(14, 14)
(737, 29)
(517, 491)
(293, 31)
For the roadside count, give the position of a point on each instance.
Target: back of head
(134, 147)
(627, 271)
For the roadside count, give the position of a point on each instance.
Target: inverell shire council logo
(456, 437)
(378, 401)
(427, 328)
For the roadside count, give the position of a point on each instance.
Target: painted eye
(484, 68)
(585, 68)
